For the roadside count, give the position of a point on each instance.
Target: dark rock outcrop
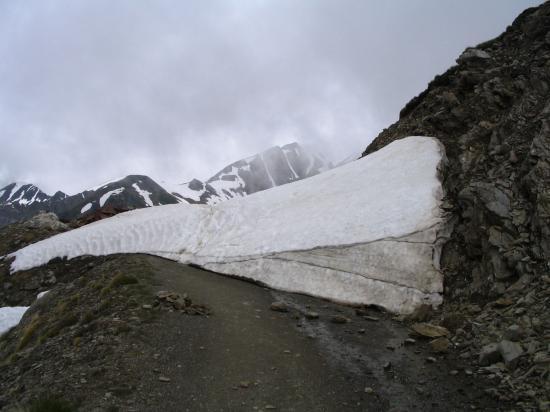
(22, 201)
(492, 113)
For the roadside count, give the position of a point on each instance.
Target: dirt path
(246, 357)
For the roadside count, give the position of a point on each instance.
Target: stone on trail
(339, 319)
(311, 315)
(440, 345)
(489, 354)
(428, 330)
(278, 307)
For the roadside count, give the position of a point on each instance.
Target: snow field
(363, 233)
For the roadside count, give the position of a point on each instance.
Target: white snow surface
(107, 195)
(364, 233)
(44, 293)
(10, 317)
(86, 207)
(146, 196)
(93, 189)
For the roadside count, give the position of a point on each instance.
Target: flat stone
(440, 345)
(278, 307)
(311, 315)
(503, 302)
(164, 379)
(338, 319)
(430, 331)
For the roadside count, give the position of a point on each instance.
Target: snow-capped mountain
(276, 166)
(273, 167)
(20, 201)
(23, 200)
(25, 194)
(130, 192)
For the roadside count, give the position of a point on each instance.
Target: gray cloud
(94, 90)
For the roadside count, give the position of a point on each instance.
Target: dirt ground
(246, 357)
(125, 350)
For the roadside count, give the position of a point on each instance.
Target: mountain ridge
(273, 167)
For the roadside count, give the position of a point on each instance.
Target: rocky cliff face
(492, 113)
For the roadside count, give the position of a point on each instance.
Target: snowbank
(363, 233)
(10, 317)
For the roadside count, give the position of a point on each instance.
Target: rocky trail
(140, 333)
(297, 354)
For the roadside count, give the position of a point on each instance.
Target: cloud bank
(175, 90)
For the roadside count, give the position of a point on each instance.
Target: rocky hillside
(491, 111)
(274, 167)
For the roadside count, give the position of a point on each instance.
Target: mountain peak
(22, 193)
(273, 167)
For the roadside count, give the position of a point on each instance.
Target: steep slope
(492, 113)
(336, 235)
(274, 167)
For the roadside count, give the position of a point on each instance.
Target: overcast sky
(97, 89)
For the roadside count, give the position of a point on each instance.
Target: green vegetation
(119, 280)
(28, 332)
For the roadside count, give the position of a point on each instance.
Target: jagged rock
(510, 352)
(489, 354)
(45, 221)
(472, 54)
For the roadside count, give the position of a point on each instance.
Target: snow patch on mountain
(86, 207)
(104, 184)
(144, 194)
(107, 195)
(10, 317)
(367, 232)
(22, 194)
